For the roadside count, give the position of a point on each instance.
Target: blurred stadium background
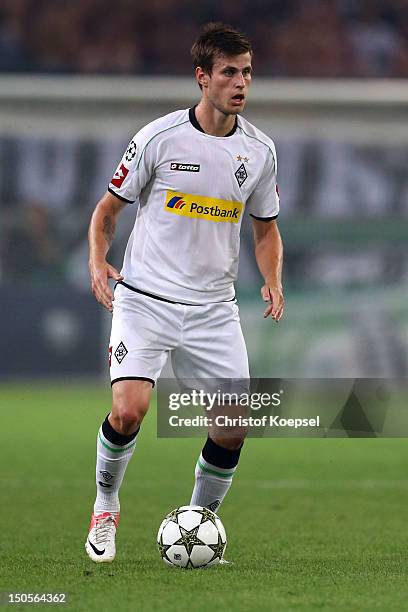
(79, 78)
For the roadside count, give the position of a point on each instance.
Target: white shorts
(205, 342)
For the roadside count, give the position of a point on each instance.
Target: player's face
(227, 86)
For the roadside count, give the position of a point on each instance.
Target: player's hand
(100, 273)
(274, 296)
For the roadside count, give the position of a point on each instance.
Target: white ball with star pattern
(191, 537)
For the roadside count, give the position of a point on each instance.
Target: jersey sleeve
(263, 203)
(134, 170)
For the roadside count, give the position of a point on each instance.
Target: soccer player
(195, 173)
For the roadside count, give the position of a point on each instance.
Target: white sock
(211, 484)
(111, 463)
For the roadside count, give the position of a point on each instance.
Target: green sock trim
(116, 450)
(210, 471)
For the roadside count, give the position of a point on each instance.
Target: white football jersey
(193, 189)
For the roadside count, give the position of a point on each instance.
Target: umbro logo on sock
(96, 551)
(106, 475)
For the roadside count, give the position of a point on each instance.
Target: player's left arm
(269, 257)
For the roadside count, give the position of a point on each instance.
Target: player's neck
(212, 121)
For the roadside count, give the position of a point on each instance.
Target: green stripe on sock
(210, 471)
(116, 450)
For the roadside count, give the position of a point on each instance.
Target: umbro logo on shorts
(185, 167)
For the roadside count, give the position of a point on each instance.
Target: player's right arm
(132, 174)
(100, 235)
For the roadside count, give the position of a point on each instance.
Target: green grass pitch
(312, 524)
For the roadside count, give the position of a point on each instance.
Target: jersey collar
(194, 122)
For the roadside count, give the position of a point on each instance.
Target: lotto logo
(185, 167)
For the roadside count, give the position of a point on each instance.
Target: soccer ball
(191, 537)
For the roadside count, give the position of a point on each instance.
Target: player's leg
(214, 472)
(138, 351)
(218, 460)
(115, 446)
(214, 349)
(116, 440)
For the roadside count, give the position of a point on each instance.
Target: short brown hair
(218, 39)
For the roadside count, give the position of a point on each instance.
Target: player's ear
(202, 77)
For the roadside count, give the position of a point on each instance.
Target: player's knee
(126, 421)
(130, 403)
(127, 415)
